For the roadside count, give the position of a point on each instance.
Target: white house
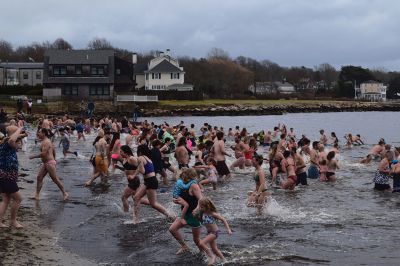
(371, 91)
(161, 73)
(26, 73)
(284, 87)
(264, 88)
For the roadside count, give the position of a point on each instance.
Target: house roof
(165, 66)
(22, 65)
(283, 84)
(79, 56)
(371, 81)
(140, 68)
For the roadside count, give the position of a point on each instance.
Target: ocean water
(341, 223)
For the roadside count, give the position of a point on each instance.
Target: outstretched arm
(222, 219)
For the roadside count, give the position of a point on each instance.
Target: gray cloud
(307, 32)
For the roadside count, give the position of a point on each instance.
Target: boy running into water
(65, 142)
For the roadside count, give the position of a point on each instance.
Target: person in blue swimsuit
(149, 188)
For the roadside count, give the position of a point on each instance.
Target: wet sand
(35, 244)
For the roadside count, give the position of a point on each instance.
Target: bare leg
(152, 196)
(215, 250)
(138, 196)
(53, 175)
(93, 177)
(17, 199)
(39, 181)
(174, 230)
(3, 207)
(164, 177)
(196, 239)
(127, 193)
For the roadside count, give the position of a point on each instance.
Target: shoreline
(36, 243)
(214, 108)
(272, 109)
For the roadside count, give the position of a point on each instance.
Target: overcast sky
(288, 32)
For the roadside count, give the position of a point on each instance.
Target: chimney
(161, 54)
(167, 52)
(134, 58)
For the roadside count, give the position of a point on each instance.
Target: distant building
(21, 74)
(161, 73)
(371, 91)
(262, 88)
(87, 73)
(265, 88)
(284, 87)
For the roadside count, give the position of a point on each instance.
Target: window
(71, 70)
(99, 90)
(118, 71)
(156, 75)
(70, 90)
(97, 70)
(78, 70)
(25, 74)
(86, 70)
(59, 70)
(147, 76)
(174, 75)
(38, 75)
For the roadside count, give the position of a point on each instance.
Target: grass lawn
(232, 102)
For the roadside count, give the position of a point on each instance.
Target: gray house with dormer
(83, 74)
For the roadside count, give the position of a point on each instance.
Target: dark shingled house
(80, 74)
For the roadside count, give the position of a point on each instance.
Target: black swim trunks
(381, 187)
(134, 183)
(151, 182)
(302, 178)
(222, 168)
(8, 186)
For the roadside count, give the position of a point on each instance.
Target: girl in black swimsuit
(129, 165)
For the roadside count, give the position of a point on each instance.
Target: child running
(211, 174)
(209, 216)
(179, 187)
(65, 142)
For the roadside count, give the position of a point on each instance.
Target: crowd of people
(192, 158)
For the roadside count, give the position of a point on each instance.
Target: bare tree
(99, 44)
(328, 74)
(6, 50)
(218, 53)
(61, 44)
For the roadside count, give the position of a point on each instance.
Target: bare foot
(135, 220)
(3, 225)
(66, 195)
(211, 261)
(35, 197)
(87, 184)
(17, 225)
(182, 250)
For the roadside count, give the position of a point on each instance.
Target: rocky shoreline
(273, 109)
(238, 109)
